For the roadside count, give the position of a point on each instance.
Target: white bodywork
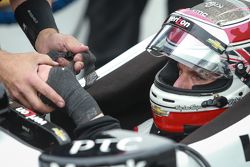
(221, 149)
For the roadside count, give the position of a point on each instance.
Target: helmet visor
(190, 49)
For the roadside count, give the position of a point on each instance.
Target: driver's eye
(199, 77)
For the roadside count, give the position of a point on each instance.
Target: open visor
(190, 45)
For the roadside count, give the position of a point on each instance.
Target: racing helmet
(212, 38)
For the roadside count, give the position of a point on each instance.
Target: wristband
(34, 16)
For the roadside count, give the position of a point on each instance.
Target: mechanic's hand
(79, 104)
(18, 72)
(43, 72)
(49, 39)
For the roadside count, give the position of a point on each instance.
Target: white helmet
(211, 38)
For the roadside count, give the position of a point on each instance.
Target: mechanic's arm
(18, 72)
(36, 19)
(80, 106)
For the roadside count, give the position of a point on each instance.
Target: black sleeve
(92, 129)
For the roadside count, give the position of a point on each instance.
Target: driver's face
(188, 77)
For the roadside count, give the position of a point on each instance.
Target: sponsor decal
(60, 133)
(188, 108)
(158, 111)
(200, 12)
(177, 20)
(234, 100)
(128, 163)
(216, 44)
(213, 4)
(28, 114)
(32, 16)
(26, 128)
(24, 27)
(126, 144)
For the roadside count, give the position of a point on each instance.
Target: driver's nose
(183, 81)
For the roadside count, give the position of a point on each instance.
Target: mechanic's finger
(62, 61)
(48, 92)
(78, 66)
(45, 59)
(36, 102)
(78, 57)
(76, 47)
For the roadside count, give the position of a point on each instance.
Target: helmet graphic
(212, 39)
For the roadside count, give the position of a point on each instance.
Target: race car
(29, 139)
(212, 41)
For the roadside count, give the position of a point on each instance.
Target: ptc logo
(126, 144)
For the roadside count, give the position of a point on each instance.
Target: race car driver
(18, 72)
(212, 40)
